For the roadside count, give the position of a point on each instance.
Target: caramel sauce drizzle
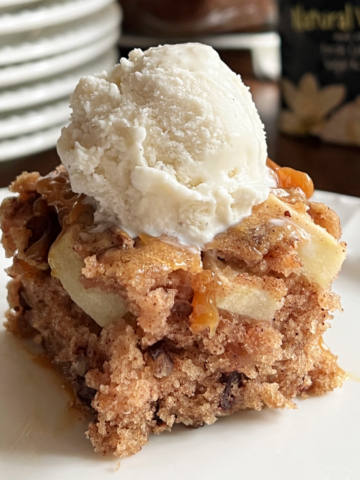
(56, 188)
(290, 178)
(204, 282)
(173, 256)
(205, 312)
(206, 286)
(57, 204)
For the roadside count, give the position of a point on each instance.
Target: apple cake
(151, 333)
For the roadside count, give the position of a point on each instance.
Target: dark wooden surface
(333, 168)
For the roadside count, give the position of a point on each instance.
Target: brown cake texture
(200, 335)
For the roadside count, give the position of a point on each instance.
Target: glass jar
(321, 69)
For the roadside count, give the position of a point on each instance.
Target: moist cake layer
(187, 336)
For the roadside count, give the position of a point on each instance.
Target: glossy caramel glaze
(205, 312)
(173, 256)
(70, 207)
(290, 178)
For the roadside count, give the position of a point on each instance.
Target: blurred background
(289, 52)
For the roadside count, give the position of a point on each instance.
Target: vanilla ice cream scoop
(169, 142)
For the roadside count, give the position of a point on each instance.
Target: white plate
(53, 88)
(13, 3)
(53, 12)
(34, 119)
(10, 3)
(318, 441)
(29, 144)
(37, 142)
(28, 46)
(28, 72)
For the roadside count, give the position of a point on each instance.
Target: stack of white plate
(45, 47)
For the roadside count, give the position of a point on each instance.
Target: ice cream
(169, 142)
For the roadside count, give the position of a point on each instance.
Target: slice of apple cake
(150, 332)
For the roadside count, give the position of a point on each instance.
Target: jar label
(321, 69)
